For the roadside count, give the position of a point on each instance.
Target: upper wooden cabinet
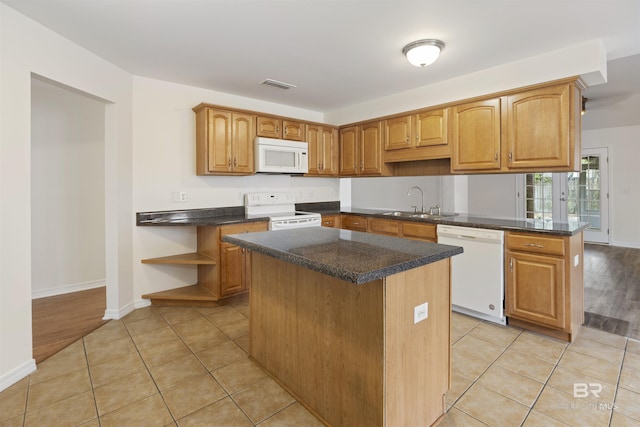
(528, 131)
(224, 142)
(475, 136)
(273, 127)
(323, 150)
(419, 136)
(398, 133)
(541, 128)
(361, 150)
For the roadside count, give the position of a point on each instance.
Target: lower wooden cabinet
(544, 283)
(387, 227)
(355, 222)
(331, 221)
(419, 231)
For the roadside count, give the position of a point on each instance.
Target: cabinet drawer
(535, 244)
(247, 227)
(352, 222)
(331, 221)
(412, 230)
(384, 226)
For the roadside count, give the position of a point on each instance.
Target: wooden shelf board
(194, 258)
(186, 293)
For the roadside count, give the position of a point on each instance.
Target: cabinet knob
(495, 157)
(235, 162)
(229, 161)
(510, 156)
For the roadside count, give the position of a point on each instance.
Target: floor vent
(275, 83)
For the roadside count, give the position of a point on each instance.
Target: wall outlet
(576, 260)
(420, 312)
(183, 196)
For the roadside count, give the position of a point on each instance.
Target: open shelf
(194, 258)
(192, 294)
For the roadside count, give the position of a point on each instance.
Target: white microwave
(280, 156)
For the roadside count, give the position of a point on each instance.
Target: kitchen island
(335, 318)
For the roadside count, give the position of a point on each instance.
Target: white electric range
(281, 209)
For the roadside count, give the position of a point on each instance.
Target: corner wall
(27, 47)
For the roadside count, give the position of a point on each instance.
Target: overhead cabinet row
(537, 129)
(225, 141)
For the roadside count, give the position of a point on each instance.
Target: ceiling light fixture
(423, 52)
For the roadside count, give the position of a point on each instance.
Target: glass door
(588, 195)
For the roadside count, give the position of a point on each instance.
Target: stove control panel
(260, 199)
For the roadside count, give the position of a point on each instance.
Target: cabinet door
(431, 128)
(475, 136)
(268, 127)
(349, 150)
(329, 153)
(314, 138)
(232, 269)
(539, 128)
(243, 141)
(332, 221)
(218, 141)
(355, 222)
(417, 231)
(294, 131)
(371, 148)
(535, 288)
(397, 133)
(387, 227)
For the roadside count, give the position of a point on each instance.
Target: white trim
(15, 375)
(66, 289)
(119, 314)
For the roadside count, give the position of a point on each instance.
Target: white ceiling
(337, 52)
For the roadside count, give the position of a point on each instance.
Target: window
(539, 196)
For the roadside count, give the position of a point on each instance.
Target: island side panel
(321, 338)
(417, 355)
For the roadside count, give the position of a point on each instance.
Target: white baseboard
(15, 375)
(625, 244)
(119, 314)
(66, 289)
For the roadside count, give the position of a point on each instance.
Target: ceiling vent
(275, 83)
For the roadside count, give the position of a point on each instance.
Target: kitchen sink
(400, 213)
(419, 215)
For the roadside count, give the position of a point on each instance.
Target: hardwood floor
(612, 289)
(60, 320)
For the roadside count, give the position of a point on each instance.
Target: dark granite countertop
(235, 215)
(348, 255)
(196, 217)
(506, 224)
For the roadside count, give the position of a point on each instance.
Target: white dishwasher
(477, 275)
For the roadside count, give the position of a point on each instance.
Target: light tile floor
(189, 367)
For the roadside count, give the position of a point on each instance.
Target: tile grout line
(146, 367)
(93, 394)
(483, 372)
(615, 394)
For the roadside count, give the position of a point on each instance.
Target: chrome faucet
(422, 193)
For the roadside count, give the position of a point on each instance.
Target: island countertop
(348, 255)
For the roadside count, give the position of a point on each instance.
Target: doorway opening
(67, 214)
